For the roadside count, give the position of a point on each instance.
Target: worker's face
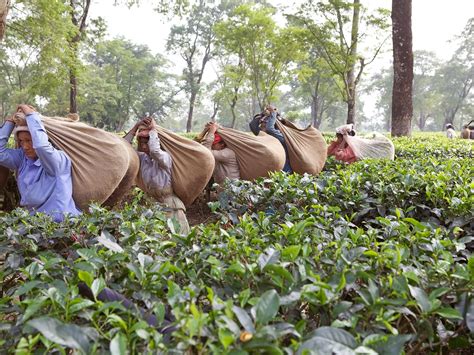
(143, 145)
(218, 146)
(25, 143)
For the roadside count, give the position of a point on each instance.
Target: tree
(402, 101)
(194, 41)
(425, 95)
(79, 10)
(120, 82)
(165, 7)
(456, 78)
(230, 81)
(124, 81)
(262, 51)
(4, 4)
(380, 86)
(339, 27)
(315, 81)
(34, 56)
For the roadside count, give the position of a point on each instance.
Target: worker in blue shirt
(266, 122)
(43, 172)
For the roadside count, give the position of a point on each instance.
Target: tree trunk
(232, 109)
(233, 104)
(4, 5)
(80, 23)
(449, 117)
(421, 121)
(74, 43)
(234, 117)
(402, 102)
(315, 111)
(72, 91)
(189, 122)
(315, 101)
(351, 80)
(215, 109)
(351, 109)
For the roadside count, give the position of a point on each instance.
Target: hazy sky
(434, 22)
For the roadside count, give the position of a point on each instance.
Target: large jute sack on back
(307, 148)
(256, 155)
(376, 146)
(193, 165)
(104, 165)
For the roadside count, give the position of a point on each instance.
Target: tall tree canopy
(340, 27)
(194, 41)
(262, 52)
(34, 56)
(124, 81)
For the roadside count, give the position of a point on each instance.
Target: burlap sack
(193, 165)
(376, 146)
(256, 155)
(104, 166)
(307, 148)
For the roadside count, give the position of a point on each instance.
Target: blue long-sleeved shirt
(271, 130)
(45, 183)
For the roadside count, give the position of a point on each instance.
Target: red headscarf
(217, 138)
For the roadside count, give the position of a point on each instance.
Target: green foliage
(35, 51)
(374, 257)
(166, 7)
(263, 51)
(120, 82)
(194, 41)
(339, 27)
(125, 81)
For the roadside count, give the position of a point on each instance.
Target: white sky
(434, 22)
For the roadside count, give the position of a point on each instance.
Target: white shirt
(155, 168)
(450, 133)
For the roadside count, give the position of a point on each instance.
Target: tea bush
(374, 257)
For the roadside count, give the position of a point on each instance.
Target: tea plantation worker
(43, 172)
(467, 131)
(450, 133)
(339, 148)
(156, 169)
(266, 122)
(226, 160)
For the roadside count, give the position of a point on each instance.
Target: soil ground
(199, 212)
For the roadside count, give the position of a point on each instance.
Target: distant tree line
(310, 65)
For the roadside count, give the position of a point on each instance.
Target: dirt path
(199, 212)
